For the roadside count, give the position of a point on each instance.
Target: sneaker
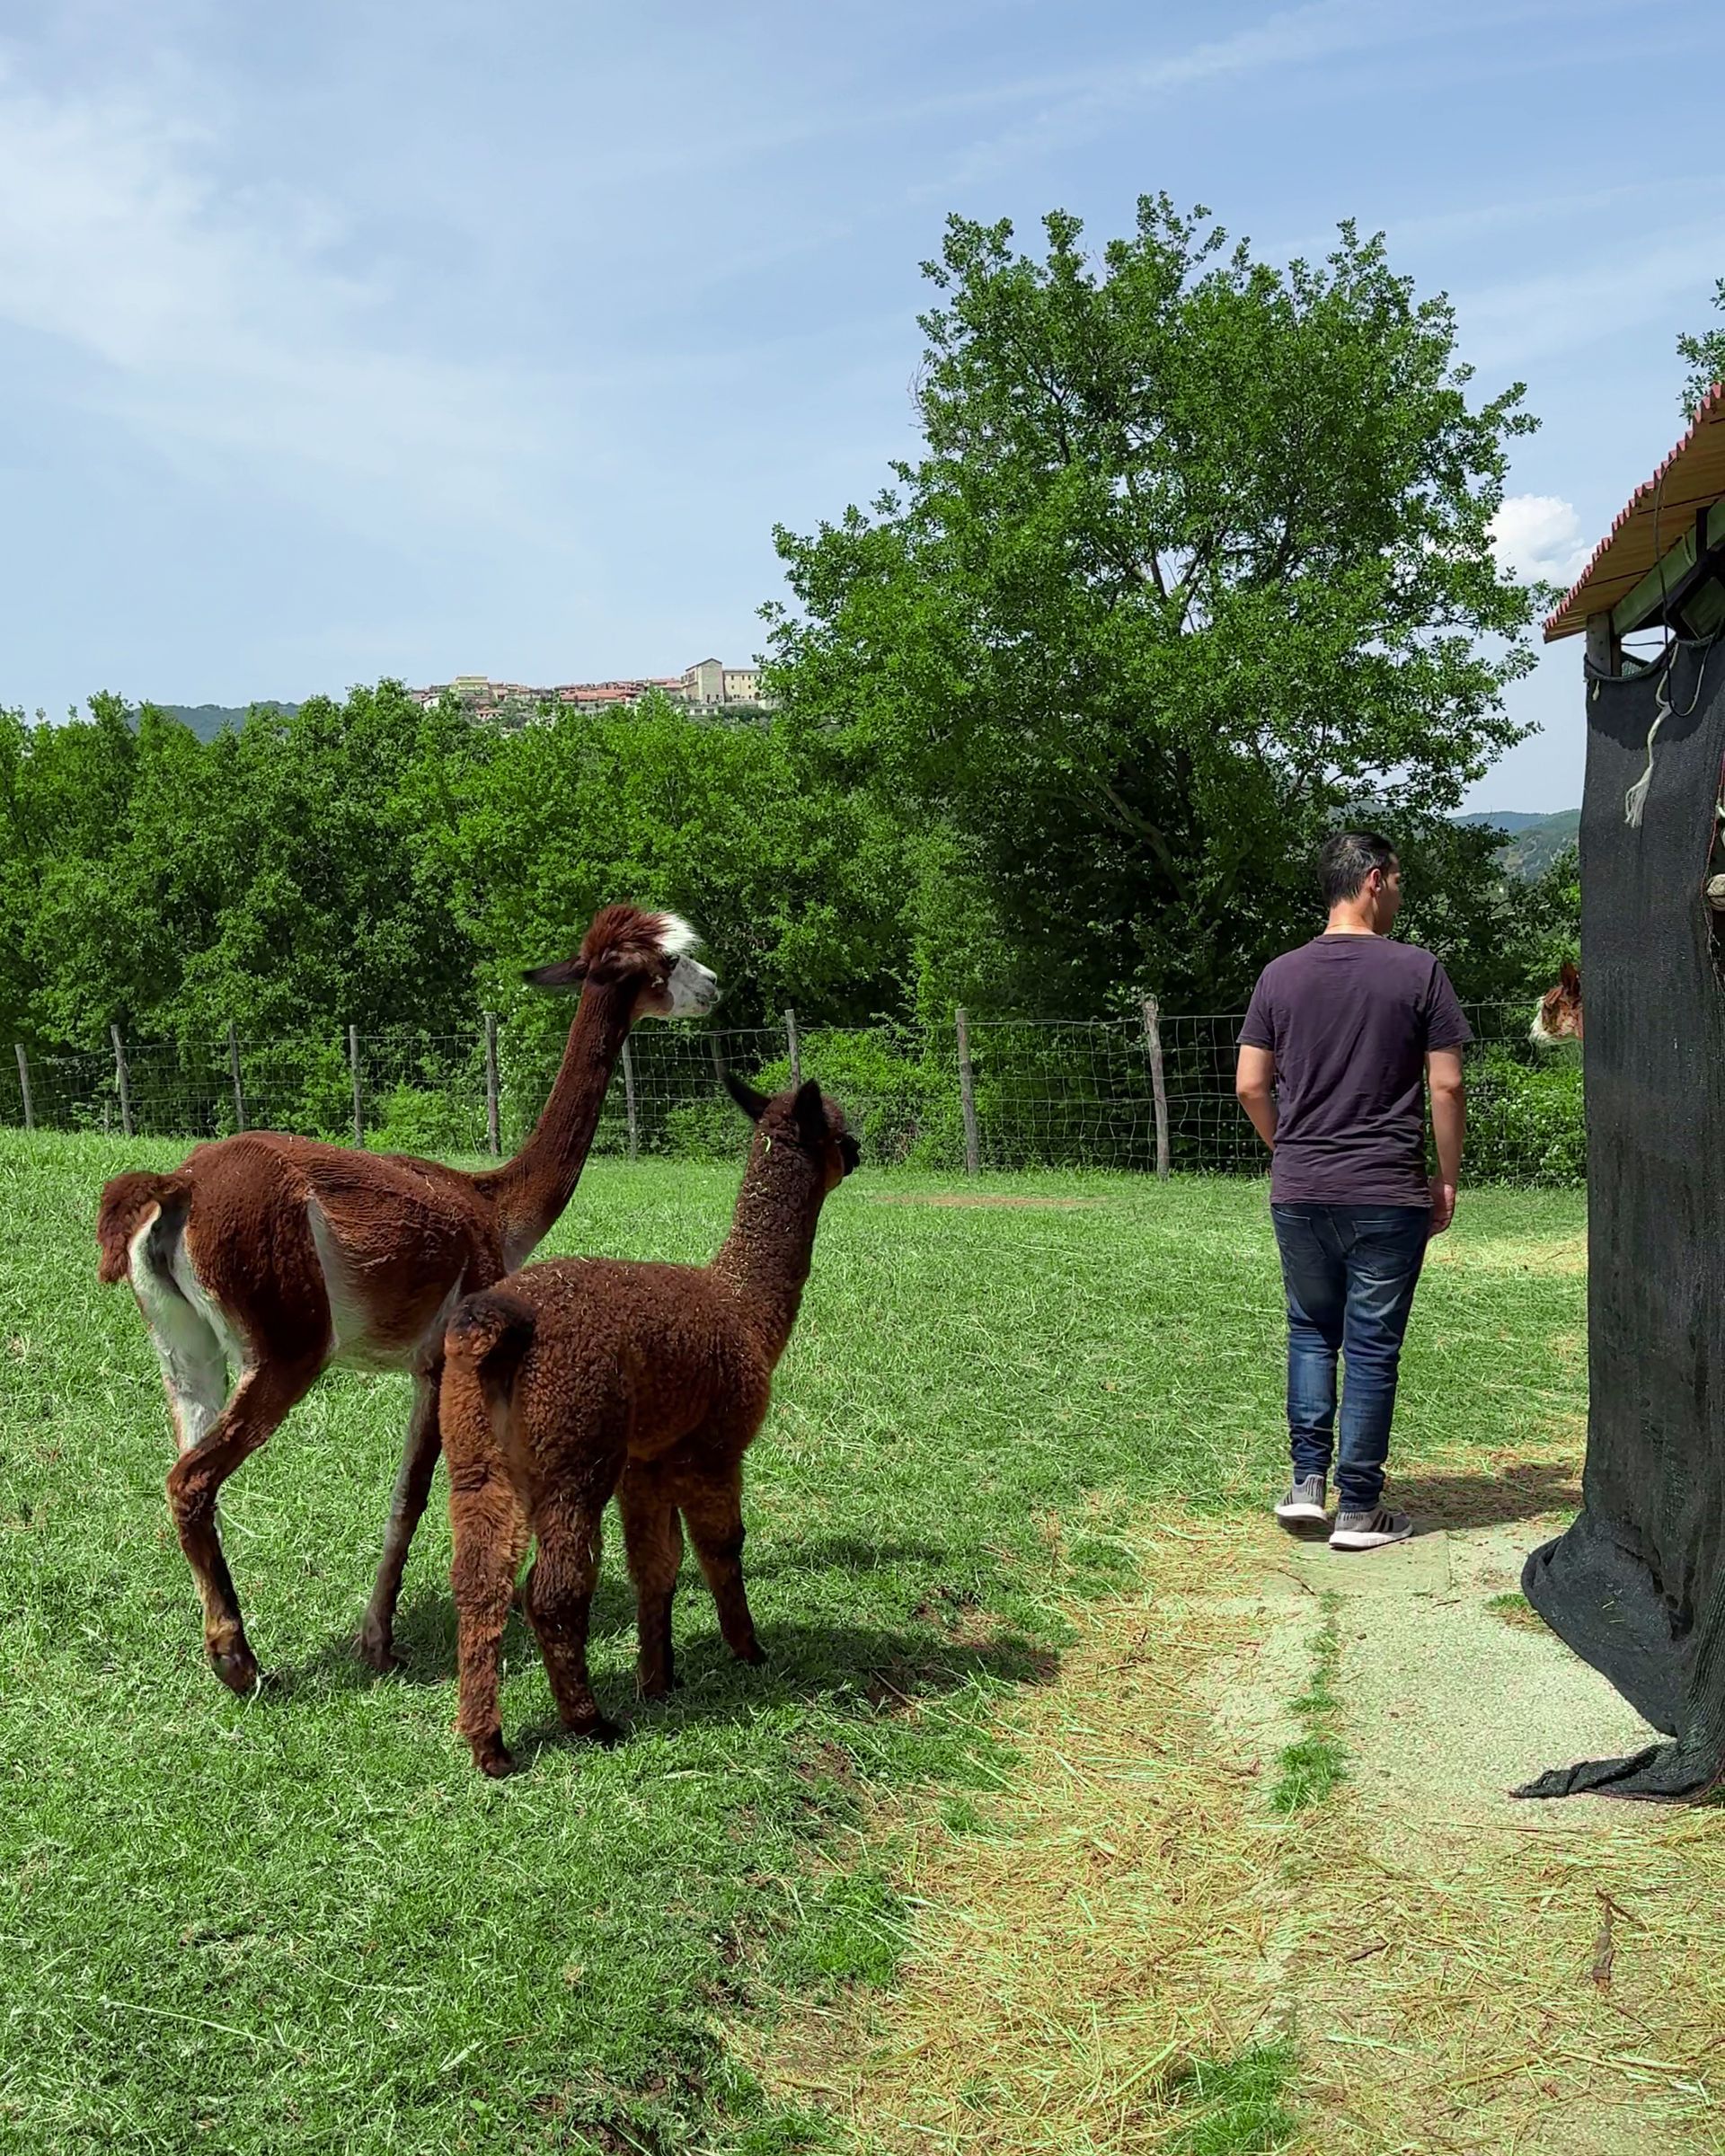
(1303, 1507)
(1370, 1530)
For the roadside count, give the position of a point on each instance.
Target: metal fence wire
(988, 1093)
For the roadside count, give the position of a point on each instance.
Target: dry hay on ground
(1454, 1972)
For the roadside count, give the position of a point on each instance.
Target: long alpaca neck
(771, 1245)
(533, 1188)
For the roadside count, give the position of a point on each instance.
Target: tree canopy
(1195, 563)
(1705, 355)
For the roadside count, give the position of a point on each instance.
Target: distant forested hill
(1534, 840)
(208, 719)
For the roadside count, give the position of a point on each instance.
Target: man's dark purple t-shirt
(1349, 1021)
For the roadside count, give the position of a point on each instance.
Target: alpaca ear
(1569, 976)
(753, 1104)
(810, 1111)
(563, 975)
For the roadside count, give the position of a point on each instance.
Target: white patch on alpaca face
(694, 990)
(676, 935)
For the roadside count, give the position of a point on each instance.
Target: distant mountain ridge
(208, 719)
(1535, 842)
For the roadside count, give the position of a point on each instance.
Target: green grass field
(304, 1922)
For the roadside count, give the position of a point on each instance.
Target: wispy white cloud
(1622, 287)
(221, 321)
(1538, 538)
(1084, 106)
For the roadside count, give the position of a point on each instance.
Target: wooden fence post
(493, 1136)
(233, 1072)
(1158, 1082)
(791, 1042)
(968, 1095)
(124, 1076)
(358, 1097)
(629, 1098)
(23, 1086)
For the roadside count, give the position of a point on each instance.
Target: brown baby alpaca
(584, 1376)
(274, 1255)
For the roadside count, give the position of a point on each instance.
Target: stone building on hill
(707, 685)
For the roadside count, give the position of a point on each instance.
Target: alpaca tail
(485, 1345)
(125, 1203)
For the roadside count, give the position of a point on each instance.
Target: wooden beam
(1605, 648)
(1646, 602)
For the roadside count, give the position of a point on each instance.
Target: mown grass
(304, 1923)
(1315, 1763)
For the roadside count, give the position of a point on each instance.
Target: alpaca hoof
(598, 1731)
(237, 1668)
(378, 1651)
(753, 1654)
(493, 1758)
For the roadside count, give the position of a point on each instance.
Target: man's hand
(1442, 1204)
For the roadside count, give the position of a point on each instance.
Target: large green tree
(1195, 559)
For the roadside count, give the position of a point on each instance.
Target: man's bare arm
(1448, 1128)
(1254, 1084)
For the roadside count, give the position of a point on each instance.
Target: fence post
(791, 1042)
(629, 1098)
(124, 1079)
(358, 1097)
(23, 1086)
(492, 1139)
(968, 1095)
(1158, 1083)
(233, 1072)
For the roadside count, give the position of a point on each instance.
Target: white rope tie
(1635, 800)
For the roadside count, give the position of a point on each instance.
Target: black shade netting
(1637, 1585)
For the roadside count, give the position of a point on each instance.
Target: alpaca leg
(652, 1535)
(406, 1508)
(714, 1512)
(559, 1601)
(260, 1403)
(490, 1535)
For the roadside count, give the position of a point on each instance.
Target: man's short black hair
(1346, 858)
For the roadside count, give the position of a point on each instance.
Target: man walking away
(1342, 1041)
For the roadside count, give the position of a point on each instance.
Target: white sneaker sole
(1356, 1541)
(1302, 1515)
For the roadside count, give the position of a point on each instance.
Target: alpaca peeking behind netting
(574, 1380)
(1559, 1015)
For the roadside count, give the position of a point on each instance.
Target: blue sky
(347, 340)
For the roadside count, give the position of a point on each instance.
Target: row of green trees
(1195, 564)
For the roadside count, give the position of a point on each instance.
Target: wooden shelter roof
(1660, 511)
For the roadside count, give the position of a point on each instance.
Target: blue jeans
(1350, 1272)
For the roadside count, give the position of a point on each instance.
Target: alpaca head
(802, 1119)
(1558, 1018)
(653, 951)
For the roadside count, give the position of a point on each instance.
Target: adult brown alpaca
(1558, 1017)
(586, 1375)
(280, 1255)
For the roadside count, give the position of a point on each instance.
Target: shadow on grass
(873, 1673)
(425, 1624)
(1469, 1498)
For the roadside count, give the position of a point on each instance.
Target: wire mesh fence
(1134, 1093)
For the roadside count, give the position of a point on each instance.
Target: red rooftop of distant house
(1693, 477)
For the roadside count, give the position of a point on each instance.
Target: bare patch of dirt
(1458, 1972)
